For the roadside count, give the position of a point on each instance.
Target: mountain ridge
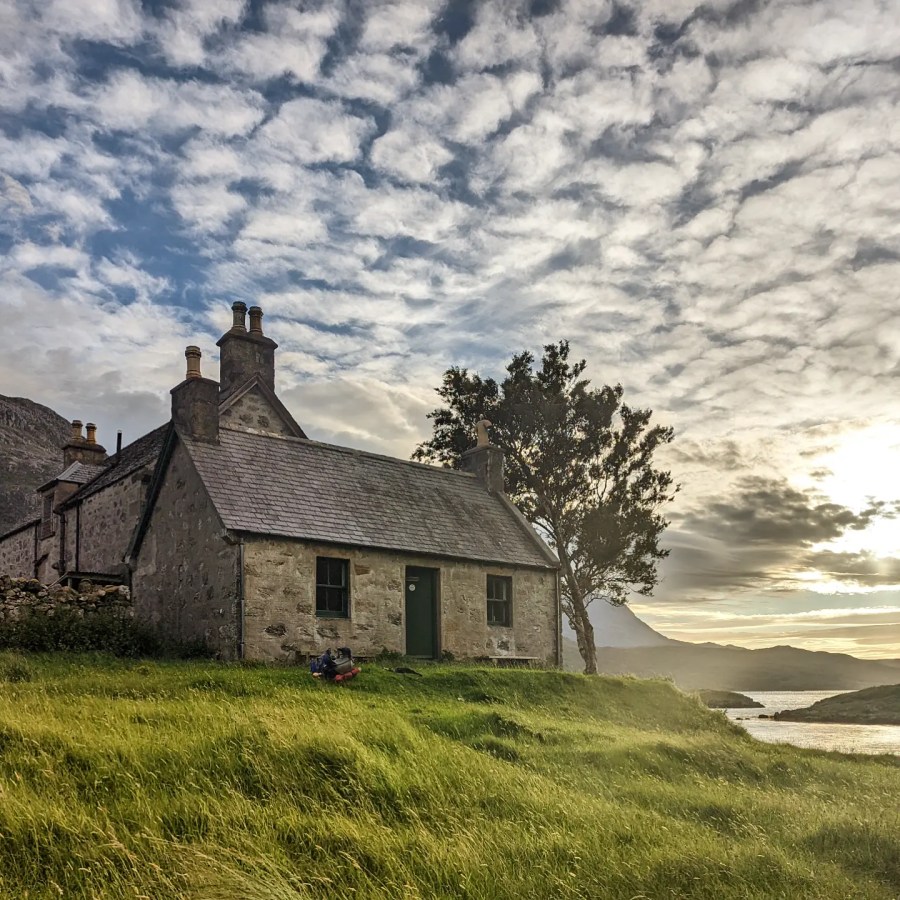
(31, 438)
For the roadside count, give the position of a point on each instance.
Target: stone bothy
(230, 526)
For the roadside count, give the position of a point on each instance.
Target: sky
(701, 198)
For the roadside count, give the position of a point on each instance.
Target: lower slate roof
(76, 473)
(297, 488)
(80, 473)
(138, 454)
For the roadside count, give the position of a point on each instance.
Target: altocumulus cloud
(700, 196)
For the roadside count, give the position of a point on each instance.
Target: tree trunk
(578, 617)
(584, 633)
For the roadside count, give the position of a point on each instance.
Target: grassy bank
(197, 780)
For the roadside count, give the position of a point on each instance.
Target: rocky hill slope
(31, 436)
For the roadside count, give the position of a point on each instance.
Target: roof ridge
(354, 451)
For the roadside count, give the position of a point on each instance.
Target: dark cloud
(771, 512)
(861, 568)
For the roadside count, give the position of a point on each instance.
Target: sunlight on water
(821, 736)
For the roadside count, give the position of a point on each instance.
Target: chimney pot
(192, 354)
(76, 431)
(256, 315)
(91, 433)
(118, 442)
(481, 431)
(239, 312)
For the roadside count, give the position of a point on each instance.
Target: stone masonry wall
(17, 554)
(254, 414)
(106, 523)
(185, 576)
(279, 601)
(21, 595)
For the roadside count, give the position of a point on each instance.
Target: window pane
(332, 591)
(499, 600)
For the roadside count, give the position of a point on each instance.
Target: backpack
(334, 668)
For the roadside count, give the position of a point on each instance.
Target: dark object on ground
(405, 670)
(338, 668)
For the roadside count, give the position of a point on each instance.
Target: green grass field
(198, 780)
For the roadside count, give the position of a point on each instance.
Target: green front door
(421, 612)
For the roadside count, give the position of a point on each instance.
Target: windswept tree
(579, 464)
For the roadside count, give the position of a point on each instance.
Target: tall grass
(198, 780)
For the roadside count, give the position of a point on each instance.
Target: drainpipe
(240, 598)
(61, 564)
(78, 536)
(559, 646)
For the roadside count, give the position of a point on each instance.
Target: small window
(47, 516)
(332, 587)
(499, 600)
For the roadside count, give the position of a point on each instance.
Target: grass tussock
(121, 778)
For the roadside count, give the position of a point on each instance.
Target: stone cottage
(233, 528)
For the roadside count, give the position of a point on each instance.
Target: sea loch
(821, 736)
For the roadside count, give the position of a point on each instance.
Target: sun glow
(865, 467)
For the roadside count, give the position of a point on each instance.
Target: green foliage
(107, 631)
(16, 668)
(178, 780)
(578, 462)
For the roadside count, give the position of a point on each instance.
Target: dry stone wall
(280, 595)
(20, 596)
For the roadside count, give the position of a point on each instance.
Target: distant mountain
(628, 646)
(695, 666)
(31, 438)
(618, 626)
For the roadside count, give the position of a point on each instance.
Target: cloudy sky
(702, 198)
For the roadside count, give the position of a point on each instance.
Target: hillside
(201, 780)
(31, 438)
(695, 666)
(872, 706)
(628, 646)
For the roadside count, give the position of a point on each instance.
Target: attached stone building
(265, 544)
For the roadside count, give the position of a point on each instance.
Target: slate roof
(142, 452)
(80, 473)
(299, 488)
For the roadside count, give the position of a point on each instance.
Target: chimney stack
(195, 402)
(81, 449)
(243, 353)
(485, 460)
